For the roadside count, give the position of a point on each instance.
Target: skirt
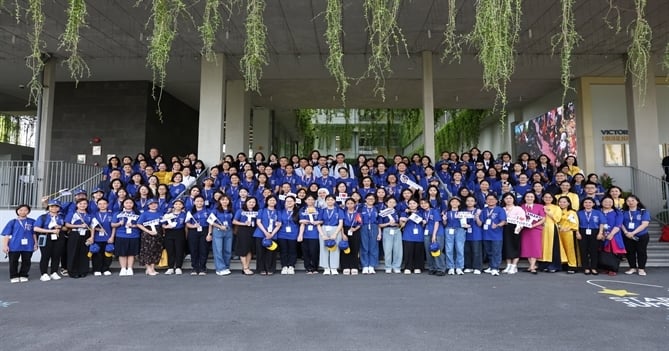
(510, 243)
(244, 244)
(151, 249)
(124, 247)
(530, 243)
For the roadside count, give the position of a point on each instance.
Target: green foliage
(461, 132)
(35, 61)
(411, 125)
(566, 40)
(638, 53)
(452, 41)
(255, 46)
(384, 33)
(613, 10)
(495, 34)
(69, 40)
(211, 22)
(10, 128)
(333, 37)
(307, 130)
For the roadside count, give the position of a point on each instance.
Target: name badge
(350, 233)
(225, 223)
(391, 232)
(588, 232)
(426, 232)
(488, 221)
(101, 234)
(206, 202)
(485, 226)
(82, 231)
(630, 225)
(451, 231)
(469, 230)
(289, 229)
(310, 227)
(128, 230)
(199, 228)
(415, 231)
(54, 236)
(24, 241)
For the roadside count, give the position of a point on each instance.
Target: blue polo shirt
(412, 231)
(591, 219)
(121, 231)
(636, 217)
(289, 228)
(105, 219)
(20, 232)
(310, 230)
(267, 217)
(490, 216)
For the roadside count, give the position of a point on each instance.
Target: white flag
(53, 223)
(212, 219)
(189, 217)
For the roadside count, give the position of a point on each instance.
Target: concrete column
(428, 105)
(262, 130)
(212, 110)
(237, 118)
(642, 120)
(45, 115)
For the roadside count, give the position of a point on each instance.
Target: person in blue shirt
(198, 227)
(413, 248)
(492, 219)
(351, 233)
(332, 218)
(473, 238)
(151, 246)
(19, 241)
(392, 237)
(126, 237)
(369, 236)
(392, 188)
(289, 217)
(433, 233)
(635, 229)
(325, 180)
(455, 236)
(220, 232)
(267, 226)
(79, 223)
(590, 234)
(102, 231)
(309, 234)
(50, 225)
(175, 237)
(433, 196)
(367, 187)
(177, 187)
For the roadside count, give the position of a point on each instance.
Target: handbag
(163, 259)
(608, 260)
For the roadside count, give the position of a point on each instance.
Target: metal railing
(651, 190)
(26, 182)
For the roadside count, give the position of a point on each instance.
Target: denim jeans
(435, 263)
(473, 254)
(392, 248)
(455, 248)
(222, 246)
(493, 249)
(369, 247)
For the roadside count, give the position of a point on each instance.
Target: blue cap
(94, 248)
(109, 248)
(54, 203)
(330, 243)
(434, 247)
(269, 244)
(151, 201)
(79, 192)
(343, 245)
(97, 190)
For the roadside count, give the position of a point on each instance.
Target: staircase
(658, 252)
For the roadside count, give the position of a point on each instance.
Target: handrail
(653, 192)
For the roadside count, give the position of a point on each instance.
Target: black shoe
(440, 273)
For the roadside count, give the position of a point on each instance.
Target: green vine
(461, 132)
(165, 15)
(452, 40)
(211, 22)
(638, 53)
(495, 34)
(615, 11)
(333, 37)
(566, 40)
(76, 19)
(35, 61)
(384, 32)
(307, 130)
(255, 47)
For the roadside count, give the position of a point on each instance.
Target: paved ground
(381, 312)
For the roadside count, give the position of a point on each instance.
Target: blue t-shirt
(474, 232)
(331, 217)
(126, 218)
(200, 217)
(269, 219)
(413, 232)
(369, 215)
(591, 219)
(310, 230)
(633, 219)
(289, 227)
(105, 219)
(490, 216)
(224, 217)
(180, 221)
(613, 219)
(432, 216)
(20, 232)
(150, 217)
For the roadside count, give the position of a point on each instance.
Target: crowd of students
(446, 218)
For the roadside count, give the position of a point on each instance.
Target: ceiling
(114, 45)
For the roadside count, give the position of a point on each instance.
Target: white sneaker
(15, 280)
(346, 272)
(468, 270)
(44, 278)
(477, 272)
(123, 272)
(508, 268)
(97, 274)
(219, 272)
(334, 271)
(416, 271)
(169, 271)
(326, 271)
(407, 271)
(226, 272)
(284, 270)
(513, 270)
(494, 272)
(365, 270)
(55, 276)
(23, 279)
(389, 271)
(106, 273)
(178, 271)
(487, 270)
(371, 270)
(129, 272)
(354, 271)
(451, 271)
(459, 271)
(397, 271)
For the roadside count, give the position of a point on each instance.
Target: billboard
(553, 134)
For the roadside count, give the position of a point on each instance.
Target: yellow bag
(163, 259)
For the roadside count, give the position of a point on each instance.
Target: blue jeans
(493, 249)
(392, 248)
(435, 263)
(222, 246)
(473, 254)
(455, 248)
(369, 247)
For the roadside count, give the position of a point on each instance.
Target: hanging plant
(384, 33)
(452, 40)
(638, 53)
(665, 60)
(333, 37)
(566, 40)
(211, 22)
(255, 47)
(495, 34)
(614, 11)
(165, 15)
(35, 61)
(69, 40)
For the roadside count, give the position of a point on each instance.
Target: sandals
(247, 271)
(586, 272)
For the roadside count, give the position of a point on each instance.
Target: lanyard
(587, 215)
(330, 213)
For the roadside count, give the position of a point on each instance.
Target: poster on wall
(552, 134)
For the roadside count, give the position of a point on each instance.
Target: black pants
(636, 251)
(265, 259)
(63, 255)
(413, 255)
(52, 251)
(351, 260)
(77, 259)
(101, 262)
(197, 243)
(288, 253)
(589, 246)
(175, 241)
(14, 271)
(311, 253)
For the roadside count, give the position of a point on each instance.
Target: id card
(82, 231)
(415, 231)
(54, 236)
(426, 232)
(128, 230)
(24, 241)
(631, 225)
(310, 227)
(199, 228)
(588, 232)
(350, 233)
(101, 234)
(485, 226)
(206, 203)
(391, 232)
(451, 231)
(469, 230)
(289, 229)
(488, 221)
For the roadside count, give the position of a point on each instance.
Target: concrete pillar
(237, 118)
(642, 121)
(428, 105)
(212, 110)
(262, 130)
(45, 115)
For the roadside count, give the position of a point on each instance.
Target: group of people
(447, 218)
